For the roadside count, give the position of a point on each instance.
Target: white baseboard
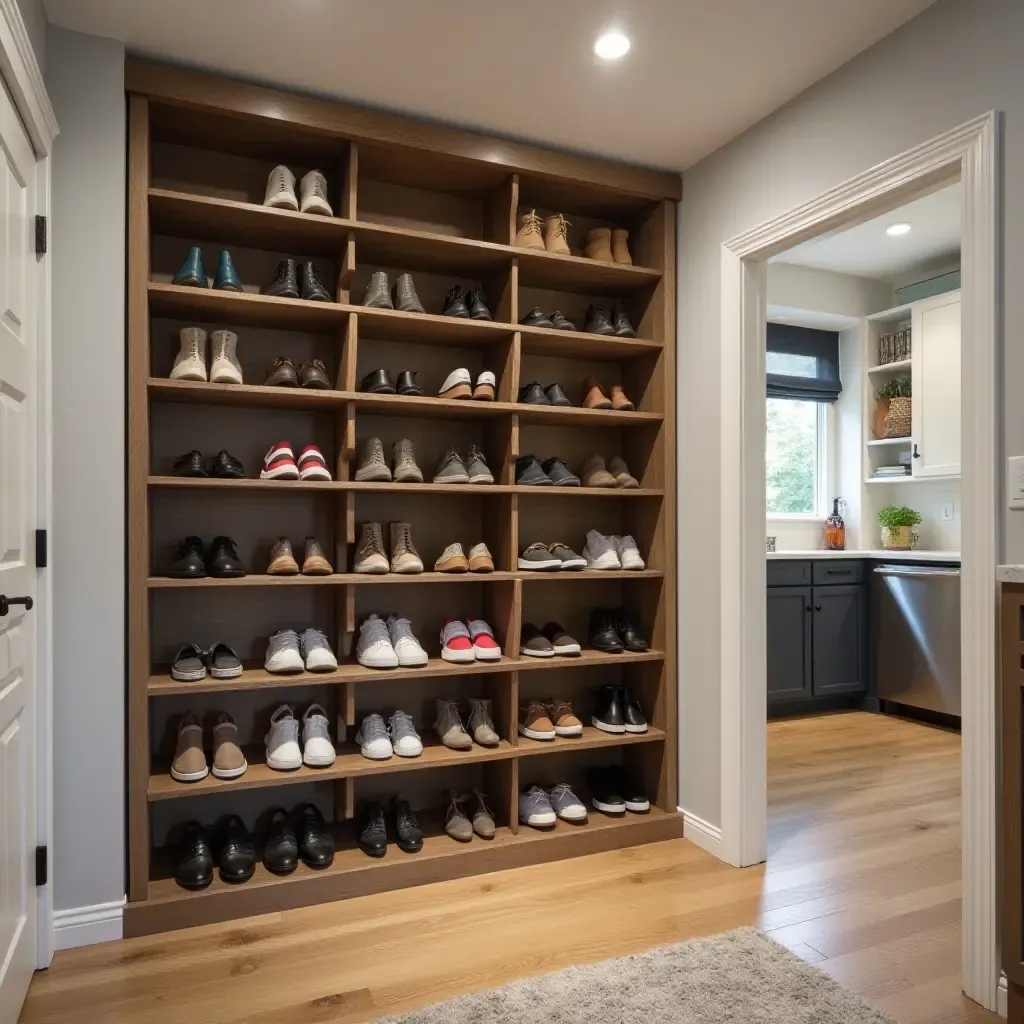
(85, 926)
(1001, 995)
(702, 833)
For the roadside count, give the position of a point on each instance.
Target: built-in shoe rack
(443, 205)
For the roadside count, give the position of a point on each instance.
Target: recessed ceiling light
(611, 45)
(898, 229)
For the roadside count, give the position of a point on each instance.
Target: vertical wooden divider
(350, 184)
(501, 210)
(139, 606)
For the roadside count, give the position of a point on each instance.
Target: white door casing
(18, 455)
(935, 368)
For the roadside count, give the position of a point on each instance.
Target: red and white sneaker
(485, 647)
(279, 463)
(456, 644)
(312, 464)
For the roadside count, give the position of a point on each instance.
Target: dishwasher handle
(915, 572)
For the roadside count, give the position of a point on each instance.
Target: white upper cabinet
(935, 367)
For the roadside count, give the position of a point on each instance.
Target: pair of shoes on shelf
(616, 474)
(609, 323)
(289, 652)
(547, 720)
(532, 472)
(557, 557)
(285, 753)
(284, 373)
(612, 791)
(550, 233)
(548, 642)
(298, 281)
(462, 825)
(193, 562)
(191, 663)
(611, 552)
(223, 465)
(612, 632)
(378, 382)
(283, 562)
(454, 469)
(379, 295)
(190, 362)
(373, 830)
(536, 394)
(371, 557)
(479, 727)
(312, 196)
(595, 398)
(192, 274)
(190, 765)
(372, 468)
(467, 641)
(455, 560)
(459, 384)
(540, 808)
(280, 464)
(388, 643)
(466, 304)
(608, 245)
(378, 741)
(536, 317)
(617, 711)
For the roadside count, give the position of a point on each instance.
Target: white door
(935, 369)
(17, 556)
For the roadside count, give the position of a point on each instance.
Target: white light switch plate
(1015, 481)
(947, 512)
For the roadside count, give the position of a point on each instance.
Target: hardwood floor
(863, 879)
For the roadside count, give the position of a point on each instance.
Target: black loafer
(316, 844)
(377, 382)
(609, 714)
(188, 560)
(561, 322)
(195, 859)
(407, 384)
(310, 285)
(632, 638)
(189, 464)
(533, 394)
(555, 395)
(280, 848)
(477, 305)
(598, 321)
(222, 561)
(407, 828)
(603, 636)
(286, 281)
(225, 466)
(237, 860)
(623, 328)
(455, 303)
(536, 318)
(373, 834)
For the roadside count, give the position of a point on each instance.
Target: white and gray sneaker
(313, 194)
(628, 552)
(566, 804)
(224, 365)
(281, 189)
(373, 739)
(316, 651)
(407, 648)
(190, 362)
(535, 808)
(600, 551)
(476, 467)
(458, 384)
(404, 737)
(374, 648)
(283, 751)
(283, 654)
(451, 469)
(317, 748)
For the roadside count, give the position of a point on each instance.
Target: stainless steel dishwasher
(917, 623)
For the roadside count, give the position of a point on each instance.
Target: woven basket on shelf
(897, 418)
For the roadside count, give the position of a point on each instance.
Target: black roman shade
(803, 363)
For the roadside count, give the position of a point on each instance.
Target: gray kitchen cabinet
(839, 633)
(790, 615)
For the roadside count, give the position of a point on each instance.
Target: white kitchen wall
(929, 499)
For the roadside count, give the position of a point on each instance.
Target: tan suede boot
(404, 556)
(594, 396)
(556, 234)
(528, 236)
(620, 252)
(599, 245)
(594, 473)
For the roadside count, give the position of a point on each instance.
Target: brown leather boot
(282, 561)
(599, 245)
(620, 252)
(620, 403)
(528, 236)
(593, 396)
(556, 234)
(314, 561)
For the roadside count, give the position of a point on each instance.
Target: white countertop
(915, 555)
(1010, 573)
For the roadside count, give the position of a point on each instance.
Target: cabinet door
(789, 643)
(935, 370)
(839, 634)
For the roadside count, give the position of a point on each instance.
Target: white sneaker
(224, 365)
(374, 647)
(628, 552)
(486, 386)
(283, 655)
(458, 384)
(317, 748)
(373, 739)
(566, 804)
(404, 738)
(407, 648)
(281, 189)
(535, 808)
(283, 753)
(313, 191)
(190, 362)
(600, 552)
(316, 651)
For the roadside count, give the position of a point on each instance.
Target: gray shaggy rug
(741, 977)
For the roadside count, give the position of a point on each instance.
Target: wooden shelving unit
(440, 204)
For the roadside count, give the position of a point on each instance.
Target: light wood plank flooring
(863, 879)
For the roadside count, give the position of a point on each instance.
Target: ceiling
(698, 73)
(809, 318)
(867, 251)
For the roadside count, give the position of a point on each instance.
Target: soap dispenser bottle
(835, 529)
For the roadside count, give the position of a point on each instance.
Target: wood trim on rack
(1012, 673)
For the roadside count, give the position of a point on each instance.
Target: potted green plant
(892, 413)
(896, 521)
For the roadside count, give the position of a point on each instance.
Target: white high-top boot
(281, 189)
(313, 194)
(224, 367)
(190, 362)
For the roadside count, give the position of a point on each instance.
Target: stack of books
(888, 472)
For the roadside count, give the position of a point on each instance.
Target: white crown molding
(85, 926)
(20, 71)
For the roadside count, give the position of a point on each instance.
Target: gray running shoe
(378, 294)
(406, 298)
(283, 655)
(476, 465)
(451, 469)
(316, 651)
(404, 737)
(371, 466)
(404, 459)
(373, 739)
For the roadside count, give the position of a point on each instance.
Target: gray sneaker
(371, 466)
(535, 808)
(316, 651)
(476, 465)
(378, 294)
(451, 469)
(559, 473)
(404, 737)
(449, 726)
(373, 739)
(404, 459)
(481, 722)
(530, 473)
(283, 655)
(406, 298)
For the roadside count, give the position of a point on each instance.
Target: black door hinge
(40, 235)
(41, 861)
(42, 551)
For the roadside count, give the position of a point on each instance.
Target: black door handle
(6, 602)
(809, 608)
(916, 453)
(817, 607)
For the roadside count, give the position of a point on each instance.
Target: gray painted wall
(86, 86)
(954, 61)
(34, 16)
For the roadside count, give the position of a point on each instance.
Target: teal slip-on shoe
(227, 278)
(191, 273)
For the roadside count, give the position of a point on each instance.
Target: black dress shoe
(477, 305)
(310, 285)
(609, 714)
(377, 382)
(286, 281)
(555, 394)
(633, 795)
(189, 464)
(407, 384)
(455, 303)
(225, 466)
(533, 394)
(280, 848)
(633, 715)
(188, 563)
(603, 636)
(598, 321)
(222, 561)
(561, 322)
(195, 860)
(237, 855)
(632, 639)
(407, 829)
(373, 834)
(316, 844)
(605, 795)
(536, 318)
(623, 328)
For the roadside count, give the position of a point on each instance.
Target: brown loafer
(282, 560)
(313, 374)
(282, 373)
(594, 397)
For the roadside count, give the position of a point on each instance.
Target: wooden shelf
(163, 389)
(545, 341)
(896, 367)
(592, 739)
(542, 269)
